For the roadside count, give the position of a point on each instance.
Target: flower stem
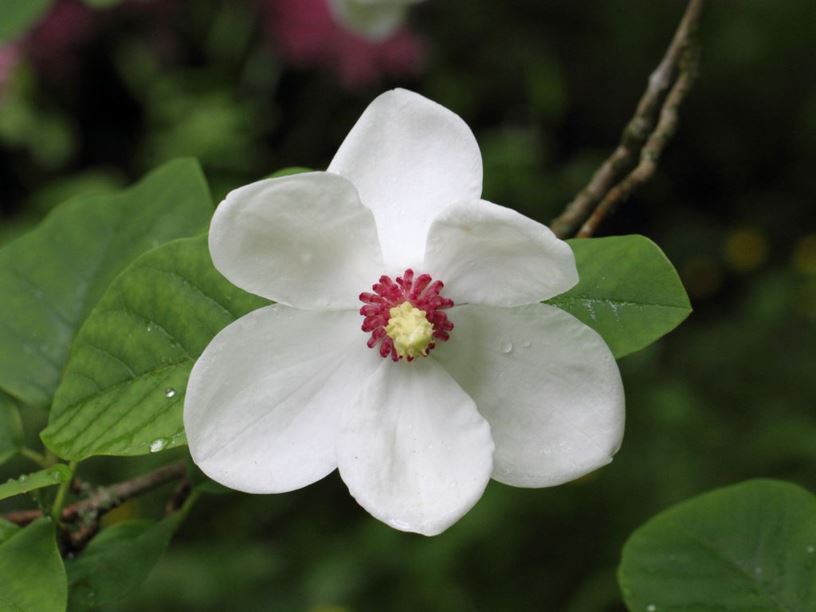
(188, 504)
(34, 456)
(59, 500)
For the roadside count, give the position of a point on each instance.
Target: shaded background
(91, 100)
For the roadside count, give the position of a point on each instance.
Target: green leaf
(117, 561)
(11, 429)
(290, 171)
(18, 16)
(750, 546)
(31, 572)
(51, 278)
(7, 529)
(628, 291)
(123, 388)
(56, 474)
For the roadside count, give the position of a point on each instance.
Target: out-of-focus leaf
(52, 277)
(189, 115)
(11, 429)
(17, 16)
(45, 135)
(290, 171)
(56, 474)
(750, 546)
(123, 388)
(91, 182)
(7, 529)
(628, 291)
(32, 575)
(117, 561)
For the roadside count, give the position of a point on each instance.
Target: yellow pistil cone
(410, 330)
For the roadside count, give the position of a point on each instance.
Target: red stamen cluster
(421, 292)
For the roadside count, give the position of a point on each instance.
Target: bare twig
(649, 156)
(645, 136)
(108, 498)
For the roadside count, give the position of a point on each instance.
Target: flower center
(410, 330)
(405, 316)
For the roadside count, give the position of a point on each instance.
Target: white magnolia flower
(373, 19)
(447, 385)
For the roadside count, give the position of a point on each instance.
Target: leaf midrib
(728, 561)
(562, 299)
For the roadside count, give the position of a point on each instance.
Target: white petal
(372, 20)
(302, 240)
(409, 158)
(547, 384)
(263, 401)
(489, 254)
(414, 452)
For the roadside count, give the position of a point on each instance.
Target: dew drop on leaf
(158, 445)
(170, 393)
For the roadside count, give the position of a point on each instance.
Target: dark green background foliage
(547, 88)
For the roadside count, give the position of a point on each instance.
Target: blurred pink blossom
(51, 42)
(308, 36)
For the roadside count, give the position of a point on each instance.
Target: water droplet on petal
(506, 346)
(158, 445)
(527, 343)
(169, 393)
